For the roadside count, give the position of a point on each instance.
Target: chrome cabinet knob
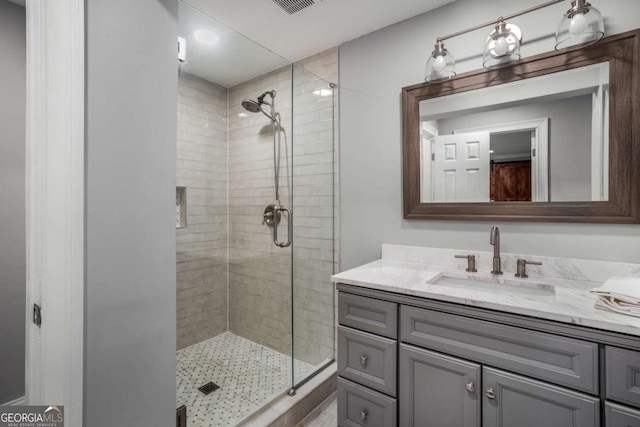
(363, 360)
(363, 415)
(490, 393)
(471, 388)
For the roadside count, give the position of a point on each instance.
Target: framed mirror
(550, 138)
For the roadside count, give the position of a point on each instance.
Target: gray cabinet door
(620, 416)
(623, 375)
(511, 400)
(438, 390)
(360, 406)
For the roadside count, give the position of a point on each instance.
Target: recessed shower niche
(181, 207)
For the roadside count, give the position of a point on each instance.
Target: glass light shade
(582, 25)
(441, 64)
(502, 46)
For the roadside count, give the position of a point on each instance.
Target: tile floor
(249, 376)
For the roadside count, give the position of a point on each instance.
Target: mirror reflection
(536, 140)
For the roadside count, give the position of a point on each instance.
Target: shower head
(256, 106)
(251, 106)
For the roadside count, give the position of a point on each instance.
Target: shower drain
(209, 388)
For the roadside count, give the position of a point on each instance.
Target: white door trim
(539, 143)
(427, 135)
(55, 204)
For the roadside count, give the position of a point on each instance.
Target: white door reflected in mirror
(538, 140)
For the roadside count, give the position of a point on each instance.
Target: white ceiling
(325, 24)
(231, 60)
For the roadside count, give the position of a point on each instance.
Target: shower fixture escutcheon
(271, 216)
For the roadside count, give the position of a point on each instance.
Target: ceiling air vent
(293, 6)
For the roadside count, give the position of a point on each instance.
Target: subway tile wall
(202, 245)
(259, 271)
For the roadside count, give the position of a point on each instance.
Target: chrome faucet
(494, 239)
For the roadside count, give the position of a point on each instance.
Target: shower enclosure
(255, 219)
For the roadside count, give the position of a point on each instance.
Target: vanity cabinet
(418, 362)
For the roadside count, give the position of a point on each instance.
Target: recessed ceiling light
(206, 37)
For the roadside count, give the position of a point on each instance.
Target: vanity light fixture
(441, 64)
(581, 25)
(502, 46)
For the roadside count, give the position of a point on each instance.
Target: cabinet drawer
(623, 375)
(510, 400)
(367, 359)
(359, 406)
(368, 314)
(619, 416)
(553, 358)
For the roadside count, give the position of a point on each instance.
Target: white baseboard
(17, 402)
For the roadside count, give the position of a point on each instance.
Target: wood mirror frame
(622, 51)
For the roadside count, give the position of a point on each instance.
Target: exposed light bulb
(502, 46)
(578, 24)
(440, 63)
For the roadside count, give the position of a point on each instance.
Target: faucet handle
(521, 267)
(471, 262)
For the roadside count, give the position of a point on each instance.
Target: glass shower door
(314, 210)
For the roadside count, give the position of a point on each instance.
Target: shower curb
(289, 411)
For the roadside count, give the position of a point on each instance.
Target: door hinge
(533, 152)
(433, 157)
(37, 315)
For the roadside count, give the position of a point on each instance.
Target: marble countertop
(572, 302)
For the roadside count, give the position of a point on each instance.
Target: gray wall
(12, 192)
(374, 68)
(569, 144)
(130, 334)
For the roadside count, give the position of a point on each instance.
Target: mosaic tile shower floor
(249, 375)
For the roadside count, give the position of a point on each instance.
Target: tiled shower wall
(259, 272)
(202, 244)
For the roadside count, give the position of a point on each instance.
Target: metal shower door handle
(286, 244)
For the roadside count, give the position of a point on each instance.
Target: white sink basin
(500, 285)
